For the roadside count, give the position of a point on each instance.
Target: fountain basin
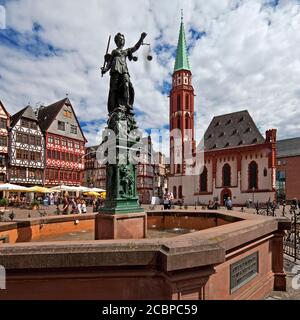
(197, 265)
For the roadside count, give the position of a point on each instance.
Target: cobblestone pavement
(290, 294)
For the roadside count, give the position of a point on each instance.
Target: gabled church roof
(232, 130)
(27, 113)
(182, 59)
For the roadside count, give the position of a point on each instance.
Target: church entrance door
(225, 194)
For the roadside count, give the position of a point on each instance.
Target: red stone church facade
(238, 162)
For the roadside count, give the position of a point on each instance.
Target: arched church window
(226, 175)
(265, 172)
(203, 180)
(180, 192)
(175, 192)
(253, 175)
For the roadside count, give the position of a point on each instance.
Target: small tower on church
(181, 106)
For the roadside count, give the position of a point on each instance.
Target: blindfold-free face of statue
(120, 40)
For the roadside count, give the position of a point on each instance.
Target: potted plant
(3, 204)
(35, 204)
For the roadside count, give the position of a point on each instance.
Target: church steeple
(182, 59)
(181, 104)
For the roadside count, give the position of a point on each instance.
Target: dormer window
(214, 146)
(240, 143)
(228, 122)
(241, 119)
(234, 132)
(210, 136)
(217, 124)
(222, 134)
(227, 145)
(254, 140)
(247, 130)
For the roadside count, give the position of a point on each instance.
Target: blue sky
(243, 55)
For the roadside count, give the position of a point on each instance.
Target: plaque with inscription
(243, 271)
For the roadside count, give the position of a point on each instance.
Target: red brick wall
(292, 171)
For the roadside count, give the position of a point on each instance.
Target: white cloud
(248, 59)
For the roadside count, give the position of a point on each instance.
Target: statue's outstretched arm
(139, 43)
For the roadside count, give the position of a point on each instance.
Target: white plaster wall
(220, 165)
(264, 183)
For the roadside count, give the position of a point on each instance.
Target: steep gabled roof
(288, 147)
(2, 106)
(46, 115)
(27, 113)
(232, 130)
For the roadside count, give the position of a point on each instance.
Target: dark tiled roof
(27, 113)
(288, 148)
(46, 115)
(232, 130)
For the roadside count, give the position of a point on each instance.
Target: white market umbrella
(13, 188)
(97, 190)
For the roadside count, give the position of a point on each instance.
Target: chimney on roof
(271, 135)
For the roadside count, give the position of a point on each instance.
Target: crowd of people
(72, 205)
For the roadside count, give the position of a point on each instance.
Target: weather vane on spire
(181, 15)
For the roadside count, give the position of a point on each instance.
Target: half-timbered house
(64, 144)
(4, 124)
(26, 149)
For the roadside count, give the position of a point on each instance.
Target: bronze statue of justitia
(121, 92)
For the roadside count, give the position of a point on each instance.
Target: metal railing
(291, 243)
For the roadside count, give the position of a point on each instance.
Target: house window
(2, 160)
(33, 125)
(19, 154)
(70, 144)
(3, 141)
(2, 123)
(22, 173)
(24, 123)
(203, 180)
(57, 141)
(67, 114)
(31, 174)
(253, 175)
(37, 156)
(61, 126)
(24, 138)
(2, 177)
(265, 172)
(73, 129)
(64, 142)
(76, 145)
(32, 155)
(38, 141)
(50, 140)
(226, 175)
(32, 140)
(63, 156)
